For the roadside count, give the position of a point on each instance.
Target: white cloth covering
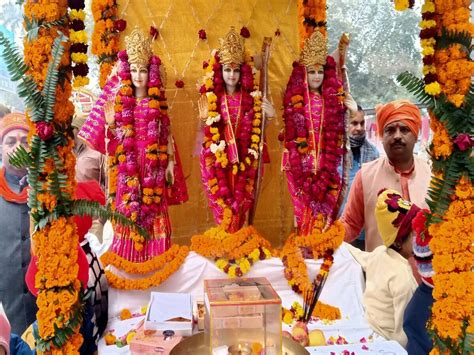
(344, 288)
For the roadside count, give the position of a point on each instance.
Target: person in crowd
(4, 110)
(418, 310)
(390, 283)
(398, 124)
(362, 151)
(20, 306)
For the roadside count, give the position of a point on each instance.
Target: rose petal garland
(55, 242)
(105, 38)
(78, 38)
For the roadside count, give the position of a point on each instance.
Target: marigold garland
(152, 281)
(78, 38)
(311, 17)
(55, 242)
(236, 252)
(105, 38)
(320, 244)
(321, 311)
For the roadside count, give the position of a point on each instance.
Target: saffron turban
(394, 215)
(398, 110)
(12, 121)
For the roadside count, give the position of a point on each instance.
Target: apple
(300, 333)
(316, 338)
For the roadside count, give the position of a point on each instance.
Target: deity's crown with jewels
(232, 49)
(138, 46)
(314, 50)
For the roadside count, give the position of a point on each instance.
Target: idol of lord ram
(130, 124)
(231, 107)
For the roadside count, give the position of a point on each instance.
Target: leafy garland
(78, 38)
(311, 17)
(106, 35)
(451, 194)
(44, 81)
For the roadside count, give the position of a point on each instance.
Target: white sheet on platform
(344, 288)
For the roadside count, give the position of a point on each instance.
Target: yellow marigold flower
(125, 314)
(208, 84)
(78, 36)
(427, 24)
(153, 91)
(130, 336)
(79, 57)
(428, 42)
(427, 51)
(80, 81)
(77, 15)
(212, 114)
(456, 99)
(401, 5)
(214, 130)
(429, 69)
(428, 6)
(235, 169)
(255, 138)
(242, 167)
(216, 137)
(433, 88)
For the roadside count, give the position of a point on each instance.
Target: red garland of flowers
(140, 200)
(245, 172)
(320, 190)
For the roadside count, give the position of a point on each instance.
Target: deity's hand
(170, 173)
(268, 109)
(203, 107)
(109, 113)
(114, 70)
(351, 105)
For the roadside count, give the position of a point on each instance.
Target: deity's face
(231, 76)
(11, 141)
(139, 74)
(314, 76)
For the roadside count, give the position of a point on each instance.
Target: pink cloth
(95, 134)
(302, 211)
(5, 331)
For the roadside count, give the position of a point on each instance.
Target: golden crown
(314, 50)
(138, 47)
(232, 48)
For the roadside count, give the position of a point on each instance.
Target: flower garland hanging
(51, 177)
(106, 36)
(451, 194)
(171, 260)
(321, 311)
(320, 189)
(140, 201)
(78, 38)
(311, 17)
(428, 37)
(234, 253)
(218, 189)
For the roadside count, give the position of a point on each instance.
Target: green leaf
(49, 89)
(95, 209)
(20, 158)
(34, 26)
(416, 86)
(449, 38)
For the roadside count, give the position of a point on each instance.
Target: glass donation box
(243, 316)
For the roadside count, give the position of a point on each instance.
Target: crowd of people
(386, 194)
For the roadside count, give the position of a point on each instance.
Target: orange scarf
(8, 194)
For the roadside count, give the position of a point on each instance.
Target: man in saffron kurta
(398, 124)
(18, 303)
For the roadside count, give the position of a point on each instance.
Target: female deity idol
(313, 136)
(232, 109)
(131, 115)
